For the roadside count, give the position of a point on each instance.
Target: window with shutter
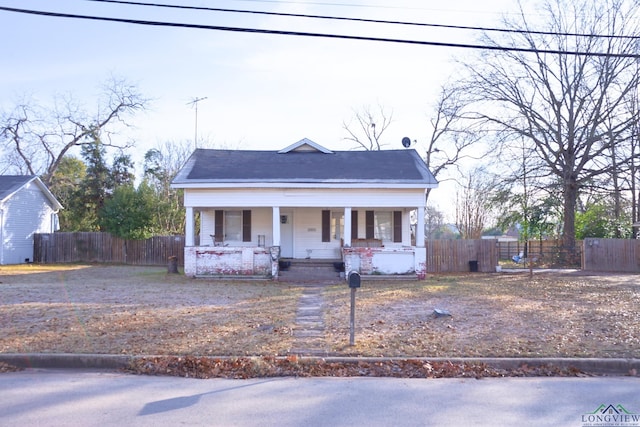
(383, 226)
(234, 226)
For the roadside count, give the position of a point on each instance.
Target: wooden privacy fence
(105, 248)
(443, 256)
(453, 256)
(616, 255)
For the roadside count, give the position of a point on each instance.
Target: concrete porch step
(310, 270)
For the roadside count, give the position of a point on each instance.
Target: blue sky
(263, 91)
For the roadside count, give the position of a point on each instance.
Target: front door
(286, 234)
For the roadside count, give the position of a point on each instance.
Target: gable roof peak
(305, 145)
(11, 184)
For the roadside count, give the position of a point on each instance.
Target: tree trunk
(617, 202)
(634, 195)
(569, 211)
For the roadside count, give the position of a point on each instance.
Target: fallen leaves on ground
(5, 367)
(292, 366)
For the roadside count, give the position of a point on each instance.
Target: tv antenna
(194, 102)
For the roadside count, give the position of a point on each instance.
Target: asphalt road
(39, 397)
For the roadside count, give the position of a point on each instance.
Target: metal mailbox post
(354, 280)
(354, 284)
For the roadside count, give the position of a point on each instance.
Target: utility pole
(195, 102)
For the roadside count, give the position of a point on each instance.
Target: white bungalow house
(26, 207)
(256, 208)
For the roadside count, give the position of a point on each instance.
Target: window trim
(220, 221)
(395, 225)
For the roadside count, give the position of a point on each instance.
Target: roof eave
(28, 179)
(297, 184)
(55, 204)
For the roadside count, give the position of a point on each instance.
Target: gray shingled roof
(9, 184)
(237, 166)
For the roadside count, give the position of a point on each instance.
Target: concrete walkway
(308, 332)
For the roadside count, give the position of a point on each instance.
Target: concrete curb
(67, 360)
(599, 366)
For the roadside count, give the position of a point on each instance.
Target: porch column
(347, 227)
(406, 227)
(276, 226)
(420, 227)
(189, 229)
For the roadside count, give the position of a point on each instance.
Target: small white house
(26, 207)
(256, 208)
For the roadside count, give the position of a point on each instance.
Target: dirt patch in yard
(142, 310)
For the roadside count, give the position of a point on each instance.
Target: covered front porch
(251, 241)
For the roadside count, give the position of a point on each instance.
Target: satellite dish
(406, 142)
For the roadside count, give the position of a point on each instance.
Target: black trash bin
(172, 267)
(473, 266)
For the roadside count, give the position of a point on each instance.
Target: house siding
(308, 236)
(26, 212)
(307, 223)
(304, 197)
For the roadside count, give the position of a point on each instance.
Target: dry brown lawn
(494, 315)
(142, 310)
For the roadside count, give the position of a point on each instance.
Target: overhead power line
(325, 3)
(315, 35)
(364, 20)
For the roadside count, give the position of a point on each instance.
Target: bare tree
(434, 222)
(162, 163)
(369, 128)
(35, 139)
(634, 107)
(522, 196)
(452, 138)
(473, 206)
(562, 102)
